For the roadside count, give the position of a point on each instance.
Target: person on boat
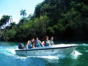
(42, 42)
(47, 41)
(30, 44)
(51, 40)
(37, 42)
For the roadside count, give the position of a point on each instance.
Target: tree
(29, 16)
(4, 20)
(23, 13)
(23, 19)
(13, 25)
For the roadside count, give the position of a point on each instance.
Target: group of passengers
(35, 42)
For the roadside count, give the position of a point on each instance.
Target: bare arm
(42, 43)
(52, 42)
(49, 43)
(34, 45)
(27, 44)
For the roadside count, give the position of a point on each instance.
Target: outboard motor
(21, 46)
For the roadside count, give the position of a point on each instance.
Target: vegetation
(63, 19)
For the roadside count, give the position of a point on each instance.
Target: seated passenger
(37, 42)
(30, 44)
(47, 41)
(42, 42)
(51, 41)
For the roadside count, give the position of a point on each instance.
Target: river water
(9, 58)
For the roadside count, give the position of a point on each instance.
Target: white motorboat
(62, 49)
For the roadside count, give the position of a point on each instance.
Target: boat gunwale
(44, 48)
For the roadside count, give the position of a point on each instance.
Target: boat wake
(9, 51)
(46, 57)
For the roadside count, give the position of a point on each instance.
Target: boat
(61, 49)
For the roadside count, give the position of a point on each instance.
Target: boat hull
(47, 51)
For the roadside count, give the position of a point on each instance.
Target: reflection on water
(9, 58)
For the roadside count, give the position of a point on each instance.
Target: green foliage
(4, 20)
(23, 13)
(64, 19)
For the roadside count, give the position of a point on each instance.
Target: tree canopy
(63, 19)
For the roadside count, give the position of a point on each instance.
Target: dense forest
(63, 19)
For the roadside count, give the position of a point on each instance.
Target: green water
(9, 58)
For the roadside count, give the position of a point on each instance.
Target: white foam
(20, 57)
(75, 54)
(46, 57)
(49, 57)
(85, 44)
(10, 51)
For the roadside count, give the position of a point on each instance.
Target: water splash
(10, 51)
(75, 54)
(85, 44)
(49, 57)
